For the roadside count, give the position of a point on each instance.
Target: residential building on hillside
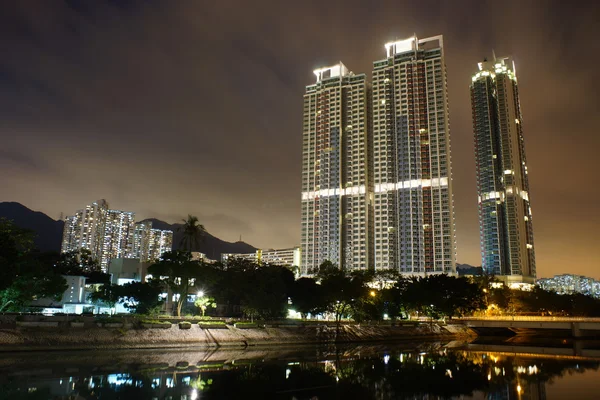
(569, 284)
(505, 221)
(140, 245)
(113, 234)
(160, 242)
(86, 230)
(118, 235)
(290, 256)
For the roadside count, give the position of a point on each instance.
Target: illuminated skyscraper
(505, 222)
(413, 204)
(336, 186)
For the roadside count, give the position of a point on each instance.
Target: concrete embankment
(59, 337)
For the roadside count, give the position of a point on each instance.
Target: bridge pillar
(575, 331)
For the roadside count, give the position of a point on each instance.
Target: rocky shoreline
(32, 338)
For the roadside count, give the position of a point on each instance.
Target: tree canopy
(25, 274)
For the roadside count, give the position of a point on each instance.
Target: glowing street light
(373, 294)
(200, 293)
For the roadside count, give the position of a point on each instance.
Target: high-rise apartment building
(413, 203)
(140, 245)
(160, 241)
(336, 186)
(290, 257)
(149, 244)
(376, 171)
(505, 222)
(85, 230)
(111, 234)
(118, 235)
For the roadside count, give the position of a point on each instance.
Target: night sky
(173, 107)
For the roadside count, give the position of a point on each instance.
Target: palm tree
(193, 232)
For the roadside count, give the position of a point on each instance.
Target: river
(433, 370)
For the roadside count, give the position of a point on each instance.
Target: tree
(385, 278)
(141, 297)
(203, 302)
(267, 291)
(177, 271)
(193, 232)
(342, 291)
(441, 295)
(308, 297)
(25, 274)
(81, 263)
(107, 294)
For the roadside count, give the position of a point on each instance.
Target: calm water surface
(424, 371)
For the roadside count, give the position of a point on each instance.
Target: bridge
(578, 327)
(576, 352)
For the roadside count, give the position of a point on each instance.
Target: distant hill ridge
(49, 232)
(210, 245)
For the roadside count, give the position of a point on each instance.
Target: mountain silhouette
(466, 269)
(210, 245)
(49, 232)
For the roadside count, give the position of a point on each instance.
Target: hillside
(48, 231)
(212, 246)
(466, 269)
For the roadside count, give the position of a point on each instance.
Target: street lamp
(373, 294)
(200, 293)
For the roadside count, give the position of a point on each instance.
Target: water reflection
(436, 372)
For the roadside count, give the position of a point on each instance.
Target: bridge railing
(529, 318)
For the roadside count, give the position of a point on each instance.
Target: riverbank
(30, 338)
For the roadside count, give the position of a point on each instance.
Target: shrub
(212, 325)
(155, 322)
(246, 325)
(185, 325)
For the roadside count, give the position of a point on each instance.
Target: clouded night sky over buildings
(176, 107)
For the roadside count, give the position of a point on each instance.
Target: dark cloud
(170, 108)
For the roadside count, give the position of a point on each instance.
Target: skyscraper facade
(505, 222)
(336, 186)
(413, 203)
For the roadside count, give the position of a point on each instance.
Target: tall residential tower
(376, 174)
(414, 212)
(505, 223)
(336, 186)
